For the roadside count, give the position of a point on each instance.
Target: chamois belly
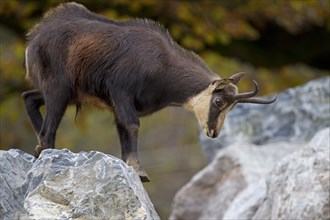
(84, 99)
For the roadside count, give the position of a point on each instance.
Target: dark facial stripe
(214, 113)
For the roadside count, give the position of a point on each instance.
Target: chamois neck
(191, 81)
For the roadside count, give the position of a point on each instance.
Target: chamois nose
(212, 133)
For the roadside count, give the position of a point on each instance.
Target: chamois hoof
(142, 174)
(37, 151)
(140, 171)
(144, 178)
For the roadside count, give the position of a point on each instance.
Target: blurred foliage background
(280, 43)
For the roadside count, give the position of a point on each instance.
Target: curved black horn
(257, 100)
(247, 95)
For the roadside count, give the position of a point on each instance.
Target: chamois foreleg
(128, 127)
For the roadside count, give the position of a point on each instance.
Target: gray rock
(246, 203)
(280, 121)
(299, 186)
(273, 181)
(211, 191)
(316, 185)
(14, 165)
(65, 185)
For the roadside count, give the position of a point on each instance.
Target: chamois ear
(236, 77)
(221, 84)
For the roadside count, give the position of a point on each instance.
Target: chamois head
(212, 104)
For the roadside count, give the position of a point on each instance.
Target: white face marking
(200, 105)
(26, 62)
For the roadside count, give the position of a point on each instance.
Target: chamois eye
(219, 102)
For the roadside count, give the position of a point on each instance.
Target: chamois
(132, 68)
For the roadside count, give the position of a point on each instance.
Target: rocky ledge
(64, 185)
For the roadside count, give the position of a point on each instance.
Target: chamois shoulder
(163, 33)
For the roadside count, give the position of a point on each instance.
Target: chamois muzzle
(248, 97)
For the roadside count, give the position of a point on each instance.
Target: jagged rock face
(61, 185)
(299, 186)
(209, 194)
(242, 183)
(14, 166)
(295, 117)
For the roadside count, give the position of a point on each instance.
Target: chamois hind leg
(56, 101)
(33, 101)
